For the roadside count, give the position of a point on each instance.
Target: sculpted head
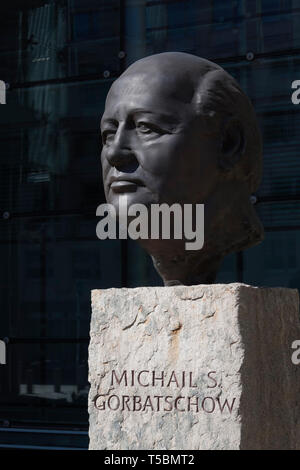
(179, 129)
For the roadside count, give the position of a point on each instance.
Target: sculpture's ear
(233, 144)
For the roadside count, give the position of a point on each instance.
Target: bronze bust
(178, 129)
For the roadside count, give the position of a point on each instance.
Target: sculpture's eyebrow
(166, 117)
(162, 117)
(112, 121)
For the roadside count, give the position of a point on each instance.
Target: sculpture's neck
(187, 270)
(228, 228)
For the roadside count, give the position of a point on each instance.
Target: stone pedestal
(200, 367)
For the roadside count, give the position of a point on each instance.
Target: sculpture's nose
(120, 152)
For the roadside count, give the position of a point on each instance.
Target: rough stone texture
(240, 334)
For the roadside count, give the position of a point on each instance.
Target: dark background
(59, 59)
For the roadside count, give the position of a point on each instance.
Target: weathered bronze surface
(178, 129)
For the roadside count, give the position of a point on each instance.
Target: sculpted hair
(219, 98)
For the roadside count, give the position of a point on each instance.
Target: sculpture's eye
(148, 128)
(108, 136)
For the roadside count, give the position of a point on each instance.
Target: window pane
(275, 262)
(59, 39)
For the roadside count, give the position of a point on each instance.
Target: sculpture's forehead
(155, 91)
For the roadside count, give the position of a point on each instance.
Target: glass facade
(59, 58)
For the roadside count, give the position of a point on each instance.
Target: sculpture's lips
(119, 185)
